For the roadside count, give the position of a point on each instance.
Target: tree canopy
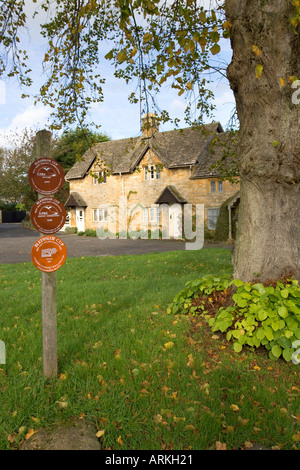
(153, 41)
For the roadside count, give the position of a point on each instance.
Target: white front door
(80, 219)
(175, 221)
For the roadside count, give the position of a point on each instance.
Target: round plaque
(48, 253)
(46, 176)
(48, 215)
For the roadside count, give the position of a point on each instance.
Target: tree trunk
(268, 235)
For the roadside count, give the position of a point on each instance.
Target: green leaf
(283, 312)
(284, 293)
(260, 334)
(237, 347)
(262, 315)
(276, 350)
(238, 282)
(297, 333)
(288, 354)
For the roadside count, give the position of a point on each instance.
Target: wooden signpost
(48, 215)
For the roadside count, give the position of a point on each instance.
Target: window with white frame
(220, 186)
(151, 172)
(99, 177)
(100, 215)
(152, 214)
(212, 187)
(158, 215)
(145, 214)
(212, 217)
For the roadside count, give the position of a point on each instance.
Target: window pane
(212, 186)
(212, 217)
(95, 215)
(157, 173)
(95, 178)
(152, 214)
(220, 186)
(146, 173)
(105, 215)
(145, 214)
(158, 215)
(152, 173)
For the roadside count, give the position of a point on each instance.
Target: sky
(118, 118)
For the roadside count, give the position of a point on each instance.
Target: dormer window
(99, 177)
(151, 172)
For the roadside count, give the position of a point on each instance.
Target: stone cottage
(124, 184)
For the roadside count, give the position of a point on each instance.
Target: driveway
(16, 243)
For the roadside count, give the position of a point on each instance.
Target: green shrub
(90, 233)
(203, 286)
(267, 316)
(71, 230)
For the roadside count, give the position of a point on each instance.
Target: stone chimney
(149, 125)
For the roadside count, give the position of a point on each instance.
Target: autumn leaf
(158, 418)
(100, 433)
(258, 70)
(119, 441)
(256, 50)
(169, 345)
(29, 433)
(220, 446)
(215, 49)
(234, 407)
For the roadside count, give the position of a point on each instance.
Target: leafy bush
(90, 233)
(71, 230)
(260, 315)
(183, 301)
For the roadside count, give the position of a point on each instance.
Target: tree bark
(268, 235)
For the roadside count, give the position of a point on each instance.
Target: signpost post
(48, 254)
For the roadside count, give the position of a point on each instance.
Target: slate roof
(170, 195)
(220, 146)
(75, 200)
(175, 149)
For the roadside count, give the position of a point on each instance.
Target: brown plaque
(46, 176)
(48, 253)
(48, 215)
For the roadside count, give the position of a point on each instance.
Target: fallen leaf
(29, 433)
(220, 445)
(243, 421)
(234, 407)
(119, 441)
(169, 345)
(176, 419)
(62, 404)
(296, 437)
(100, 433)
(256, 50)
(248, 445)
(158, 418)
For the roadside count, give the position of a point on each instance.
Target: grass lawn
(147, 379)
